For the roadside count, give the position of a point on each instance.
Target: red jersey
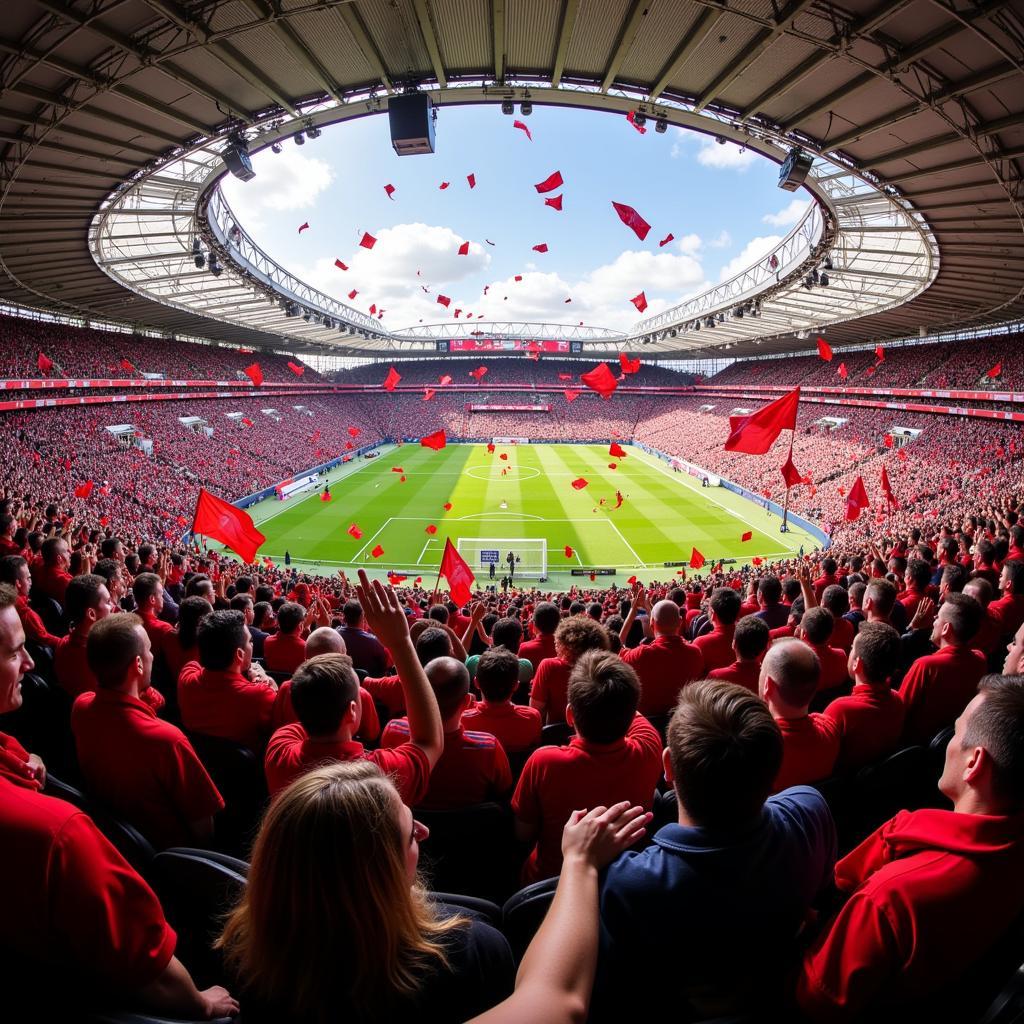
(143, 768)
(825, 580)
(1008, 613)
(177, 657)
(937, 688)
(75, 677)
(284, 712)
(225, 704)
(842, 634)
(716, 647)
(664, 666)
(291, 753)
(536, 650)
(931, 892)
(516, 728)
(789, 629)
(870, 724)
(472, 767)
(284, 652)
(51, 581)
(388, 690)
(551, 688)
(33, 624)
(557, 780)
(833, 666)
(810, 746)
(159, 632)
(743, 673)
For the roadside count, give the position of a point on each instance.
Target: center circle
(514, 473)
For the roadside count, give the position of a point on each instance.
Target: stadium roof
(923, 97)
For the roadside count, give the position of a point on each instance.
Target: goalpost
(531, 554)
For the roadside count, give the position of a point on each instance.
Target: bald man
(790, 674)
(473, 767)
(667, 663)
(326, 640)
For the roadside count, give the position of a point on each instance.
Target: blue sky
(721, 204)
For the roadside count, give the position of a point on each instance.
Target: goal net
(530, 555)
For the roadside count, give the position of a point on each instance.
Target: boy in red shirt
(716, 647)
(285, 650)
(517, 728)
(545, 621)
(790, 674)
(749, 642)
(616, 755)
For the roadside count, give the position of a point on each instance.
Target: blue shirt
(704, 921)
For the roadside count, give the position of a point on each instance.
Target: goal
(481, 553)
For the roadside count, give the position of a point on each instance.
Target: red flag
(696, 559)
(447, 506)
(889, 441)
(568, 551)
(995, 371)
(824, 350)
(354, 531)
(397, 469)
(471, 178)
(45, 363)
(353, 431)
(543, 247)
(126, 364)
(325, 496)
(443, 300)
(390, 189)
(640, 301)
(435, 441)
(83, 490)
(550, 183)
(247, 422)
(555, 202)
(303, 227)
(231, 526)
(842, 371)
(373, 307)
(296, 369)
(522, 127)
(887, 490)
(503, 456)
(633, 220)
(352, 294)
(478, 373)
(444, 185)
(570, 395)
(340, 265)
(631, 118)
(392, 379)
(756, 433)
(856, 500)
(565, 376)
(367, 241)
(790, 473)
(431, 529)
(377, 551)
(616, 451)
(579, 483)
(443, 380)
(457, 572)
(254, 373)
(747, 536)
(428, 394)
(464, 249)
(629, 365)
(600, 379)
(668, 238)
(880, 353)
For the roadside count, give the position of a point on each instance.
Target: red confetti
(543, 247)
(471, 178)
(377, 551)
(640, 301)
(340, 265)
(447, 506)
(390, 189)
(355, 532)
(568, 551)
(303, 227)
(464, 249)
(431, 529)
(747, 536)
(443, 300)
(522, 127)
(550, 183)
(444, 185)
(555, 202)
(668, 238)
(367, 241)
(579, 483)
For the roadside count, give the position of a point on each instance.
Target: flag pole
(785, 509)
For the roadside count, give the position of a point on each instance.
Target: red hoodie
(932, 891)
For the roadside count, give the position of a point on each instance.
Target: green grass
(663, 516)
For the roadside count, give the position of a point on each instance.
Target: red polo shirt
(291, 753)
(516, 728)
(664, 666)
(833, 666)
(536, 650)
(823, 581)
(161, 634)
(388, 690)
(143, 768)
(284, 652)
(71, 898)
(225, 704)
(177, 657)
(51, 581)
(558, 780)
(551, 688)
(842, 634)
(284, 712)
(937, 688)
(870, 724)
(1008, 613)
(716, 647)
(989, 635)
(472, 767)
(33, 624)
(810, 746)
(743, 673)
(74, 675)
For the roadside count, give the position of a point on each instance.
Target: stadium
(512, 510)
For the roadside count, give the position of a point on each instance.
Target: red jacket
(932, 890)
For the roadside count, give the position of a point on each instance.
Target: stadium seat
(134, 1017)
(557, 734)
(50, 612)
(903, 781)
(483, 910)
(43, 724)
(523, 913)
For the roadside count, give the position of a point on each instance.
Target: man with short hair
(749, 642)
(790, 674)
(575, 636)
(769, 602)
(880, 605)
(871, 718)
(1008, 610)
(837, 601)
(827, 578)
(148, 590)
(716, 647)
(14, 572)
(988, 638)
(51, 577)
(8, 527)
(931, 891)
(545, 621)
(224, 694)
(739, 870)
(285, 650)
(615, 755)
(939, 686)
(365, 650)
(141, 767)
(917, 578)
(815, 630)
(516, 728)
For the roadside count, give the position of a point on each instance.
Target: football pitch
(394, 500)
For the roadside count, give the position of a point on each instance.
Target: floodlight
(526, 108)
(300, 139)
(275, 147)
(661, 125)
(508, 107)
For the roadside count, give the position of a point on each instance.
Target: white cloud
(288, 181)
(724, 157)
(787, 216)
(754, 250)
(723, 241)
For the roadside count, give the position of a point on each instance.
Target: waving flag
(632, 219)
(230, 525)
(696, 559)
(824, 350)
(457, 572)
(756, 433)
(856, 500)
(550, 183)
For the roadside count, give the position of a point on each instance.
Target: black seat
(135, 1017)
(279, 677)
(660, 722)
(49, 611)
(43, 724)
(557, 734)
(903, 781)
(197, 889)
(128, 840)
(483, 910)
(523, 913)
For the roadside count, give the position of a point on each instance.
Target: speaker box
(237, 161)
(794, 171)
(412, 124)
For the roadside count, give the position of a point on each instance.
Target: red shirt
(931, 892)
(8, 547)
(716, 647)
(823, 581)
(558, 780)
(33, 624)
(291, 753)
(388, 690)
(159, 632)
(75, 677)
(989, 635)
(743, 673)
(551, 688)
(937, 688)
(536, 650)
(176, 656)
(472, 767)
(51, 581)
(833, 666)
(14, 766)
(284, 652)
(664, 666)
(842, 634)
(284, 712)
(1008, 613)
(225, 704)
(71, 898)
(810, 746)
(143, 768)
(789, 629)
(870, 724)
(516, 728)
